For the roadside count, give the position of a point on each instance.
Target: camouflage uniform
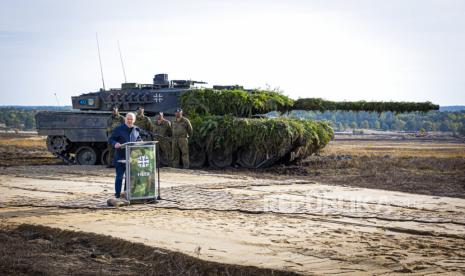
(162, 133)
(182, 129)
(145, 124)
(112, 122)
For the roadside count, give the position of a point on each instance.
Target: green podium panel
(141, 173)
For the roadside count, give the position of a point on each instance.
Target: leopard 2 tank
(230, 128)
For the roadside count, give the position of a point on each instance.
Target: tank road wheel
(252, 158)
(295, 154)
(86, 156)
(104, 158)
(220, 159)
(57, 144)
(197, 156)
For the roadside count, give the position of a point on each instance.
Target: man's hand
(117, 145)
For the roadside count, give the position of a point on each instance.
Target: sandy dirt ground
(296, 225)
(288, 220)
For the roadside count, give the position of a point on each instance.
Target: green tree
(411, 124)
(461, 130)
(29, 122)
(454, 127)
(399, 125)
(428, 126)
(365, 124)
(385, 126)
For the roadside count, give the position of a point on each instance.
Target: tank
(232, 125)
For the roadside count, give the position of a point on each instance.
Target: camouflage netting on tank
(226, 139)
(245, 104)
(260, 142)
(238, 103)
(318, 104)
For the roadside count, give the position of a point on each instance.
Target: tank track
(59, 146)
(65, 157)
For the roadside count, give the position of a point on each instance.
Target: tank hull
(227, 141)
(218, 141)
(75, 137)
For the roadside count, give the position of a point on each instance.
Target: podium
(142, 171)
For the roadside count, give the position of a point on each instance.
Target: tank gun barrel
(185, 83)
(243, 103)
(318, 104)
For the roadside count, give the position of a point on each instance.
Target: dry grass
(30, 142)
(414, 166)
(418, 167)
(396, 149)
(431, 168)
(25, 151)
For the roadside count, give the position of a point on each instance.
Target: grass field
(438, 149)
(415, 166)
(27, 142)
(28, 150)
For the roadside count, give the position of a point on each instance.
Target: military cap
(178, 109)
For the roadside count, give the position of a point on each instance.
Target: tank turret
(161, 96)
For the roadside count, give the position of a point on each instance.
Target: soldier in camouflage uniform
(182, 129)
(162, 134)
(113, 121)
(144, 123)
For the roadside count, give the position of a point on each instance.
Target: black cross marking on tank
(157, 97)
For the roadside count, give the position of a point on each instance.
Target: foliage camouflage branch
(238, 103)
(317, 104)
(274, 136)
(243, 103)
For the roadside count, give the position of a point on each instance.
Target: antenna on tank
(122, 63)
(100, 60)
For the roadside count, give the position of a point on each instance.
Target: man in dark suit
(123, 133)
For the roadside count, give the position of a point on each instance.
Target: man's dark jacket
(123, 134)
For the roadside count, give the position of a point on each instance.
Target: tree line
(414, 121)
(23, 118)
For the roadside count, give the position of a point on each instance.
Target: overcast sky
(403, 50)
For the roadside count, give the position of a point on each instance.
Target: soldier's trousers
(180, 146)
(165, 152)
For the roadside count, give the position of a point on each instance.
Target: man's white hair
(131, 114)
